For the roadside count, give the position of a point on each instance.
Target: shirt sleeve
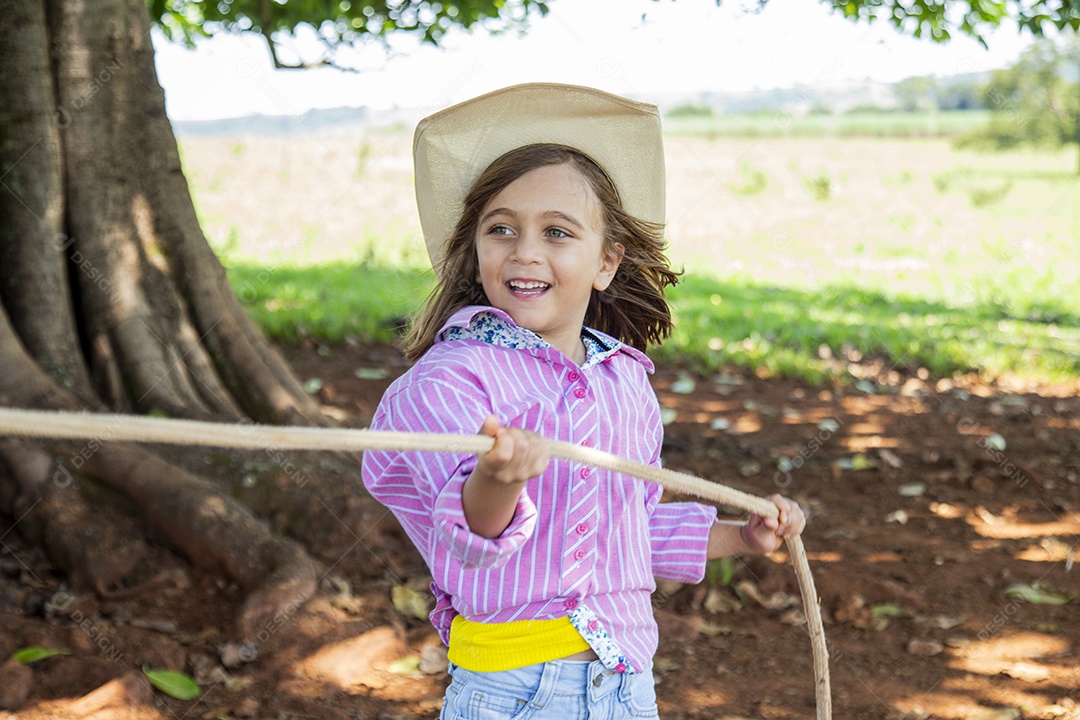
(423, 489)
(679, 537)
(678, 531)
(473, 550)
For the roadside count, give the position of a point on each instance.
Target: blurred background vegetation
(931, 234)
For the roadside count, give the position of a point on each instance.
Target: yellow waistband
(490, 647)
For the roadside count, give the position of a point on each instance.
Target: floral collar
(495, 327)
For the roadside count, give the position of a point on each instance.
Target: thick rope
(135, 428)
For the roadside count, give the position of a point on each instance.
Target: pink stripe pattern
(580, 536)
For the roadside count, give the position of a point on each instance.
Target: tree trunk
(111, 298)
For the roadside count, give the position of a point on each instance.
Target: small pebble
(433, 659)
(233, 654)
(15, 681)
(924, 647)
(249, 708)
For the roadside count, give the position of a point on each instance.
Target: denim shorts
(559, 689)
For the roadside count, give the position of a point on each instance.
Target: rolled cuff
(679, 532)
(472, 550)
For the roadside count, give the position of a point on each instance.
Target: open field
(800, 253)
(782, 123)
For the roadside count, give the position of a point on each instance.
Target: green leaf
(886, 610)
(409, 602)
(172, 683)
(857, 462)
(1036, 595)
(861, 462)
(409, 665)
(727, 570)
(27, 655)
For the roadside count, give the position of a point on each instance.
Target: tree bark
(33, 278)
(215, 532)
(156, 302)
(111, 298)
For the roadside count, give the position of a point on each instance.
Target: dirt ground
(928, 501)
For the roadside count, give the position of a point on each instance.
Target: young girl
(542, 208)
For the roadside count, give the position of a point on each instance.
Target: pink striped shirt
(580, 536)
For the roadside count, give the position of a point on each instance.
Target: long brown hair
(632, 309)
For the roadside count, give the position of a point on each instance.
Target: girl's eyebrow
(555, 214)
(552, 214)
(497, 211)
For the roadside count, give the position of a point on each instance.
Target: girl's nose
(528, 249)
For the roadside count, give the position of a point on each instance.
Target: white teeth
(527, 285)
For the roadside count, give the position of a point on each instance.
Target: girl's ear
(609, 263)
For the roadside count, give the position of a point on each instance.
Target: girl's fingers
(528, 450)
(540, 463)
(501, 455)
(790, 517)
(769, 532)
(802, 524)
(489, 426)
(516, 456)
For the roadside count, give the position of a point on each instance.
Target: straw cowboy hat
(454, 146)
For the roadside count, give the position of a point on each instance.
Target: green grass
(800, 255)
(809, 333)
(332, 301)
(779, 331)
(854, 124)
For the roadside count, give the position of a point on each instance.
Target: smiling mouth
(527, 288)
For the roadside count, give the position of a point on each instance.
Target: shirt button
(582, 529)
(586, 443)
(570, 604)
(593, 626)
(585, 472)
(620, 668)
(573, 376)
(580, 392)
(578, 554)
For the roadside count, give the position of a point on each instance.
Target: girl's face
(540, 246)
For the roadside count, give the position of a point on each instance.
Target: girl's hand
(491, 492)
(517, 456)
(765, 534)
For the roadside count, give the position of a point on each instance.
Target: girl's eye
(498, 230)
(557, 233)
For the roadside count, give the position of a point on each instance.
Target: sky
(629, 47)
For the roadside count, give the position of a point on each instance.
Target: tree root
(97, 547)
(213, 530)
